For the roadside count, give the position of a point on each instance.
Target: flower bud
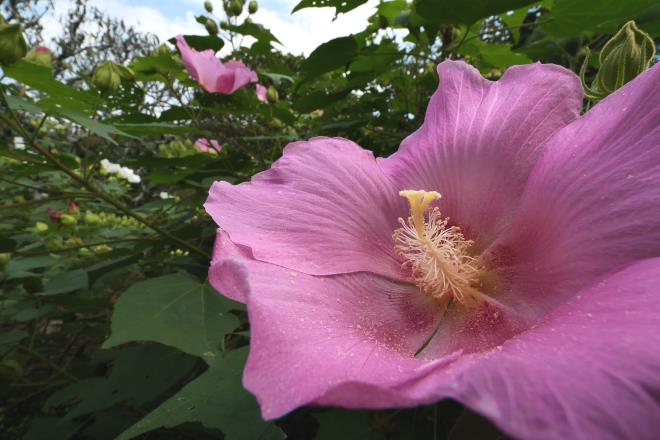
(5, 257)
(73, 208)
(12, 43)
(108, 76)
(41, 56)
(253, 7)
(163, 49)
(211, 27)
(41, 227)
(208, 6)
(627, 54)
(91, 219)
(235, 8)
(68, 220)
(272, 95)
(19, 199)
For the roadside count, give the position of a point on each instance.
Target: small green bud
(208, 6)
(272, 95)
(163, 49)
(626, 55)
(235, 8)
(53, 244)
(5, 257)
(12, 43)
(253, 7)
(19, 199)
(91, 219)
(102, 249)
(41, 227)
(108, 76)
(68, 220)
(211, 27)
(41, 56)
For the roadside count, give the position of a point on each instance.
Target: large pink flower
(210, 73)
(528, 291)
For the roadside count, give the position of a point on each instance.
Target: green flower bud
(102, 249)
(211, 27)
(272, 95)
(208, 6)
(91, 219)
(5, 257)
(41, 227)
(108, 76)
(253, 7)
(163, 49)
(40, 55)
(235, 8)
(68, 220)
(12, 43)
(19, 199)
(53, 244)
(627, 54)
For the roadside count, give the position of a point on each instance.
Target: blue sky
(299, 33)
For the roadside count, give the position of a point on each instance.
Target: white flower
(163, 195)
(19, 143)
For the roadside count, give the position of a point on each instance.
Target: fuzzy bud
(627, 54)
(68, 220)
(91, 219)
(41, 56)
(41, 227)
(108, 76)
(235, 8)
(253, 7)
(211, 27)
(208, 6)
(12, 43)
(272, 95)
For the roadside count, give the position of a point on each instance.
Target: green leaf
(329, 56)
(339, 5)
(7, 244)
(572, 17)
(317, 100)
(41, 78)
(12, 337)
(255, 30)
(156, 129)
(202, 42)
(67, 282)
(495, 55)
(465, 11)
(96, 127)
(216, 399)
(346, 425)
(175, 310)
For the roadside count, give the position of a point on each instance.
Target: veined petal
(325, 207)
(588, 370)
(592, 202)
(480, 139)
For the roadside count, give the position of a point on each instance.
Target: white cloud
(300, 33)
(303, 31)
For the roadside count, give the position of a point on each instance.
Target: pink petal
(210, 73)
(227, 278)
(480, 140)
(325, 207)
(588, 371)
(591, 204)
(262, 92)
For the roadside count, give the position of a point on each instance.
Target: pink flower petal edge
(213, 75)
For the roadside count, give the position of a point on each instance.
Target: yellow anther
(436, 255)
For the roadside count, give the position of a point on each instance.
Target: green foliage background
(108, 327)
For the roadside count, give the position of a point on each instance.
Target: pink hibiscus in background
(213, 75)
(507, 256)
(208, 145)
(262, 93)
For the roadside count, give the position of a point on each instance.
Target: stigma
(435, 255)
